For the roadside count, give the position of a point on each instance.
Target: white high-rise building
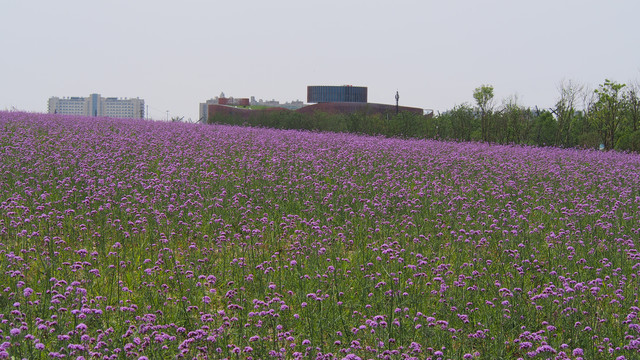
(95, 105)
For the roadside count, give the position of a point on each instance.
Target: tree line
(608, 116)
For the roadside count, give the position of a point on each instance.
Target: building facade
(345, 93)
(96, 105)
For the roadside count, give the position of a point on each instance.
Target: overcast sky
(176, 54)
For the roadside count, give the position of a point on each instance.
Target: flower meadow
(129, 239)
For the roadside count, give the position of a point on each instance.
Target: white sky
(176, 54)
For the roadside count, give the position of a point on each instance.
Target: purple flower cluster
(141, 240)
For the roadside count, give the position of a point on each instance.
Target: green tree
(565, 111)
(515, 121)
(608, 111)
(484, 98)
(632, 102)
(629, 134)
(462, 119)
(544, 129)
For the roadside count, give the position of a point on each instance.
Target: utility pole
(397, 98)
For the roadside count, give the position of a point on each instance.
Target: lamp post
(397, 98)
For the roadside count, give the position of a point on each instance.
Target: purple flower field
(128, 239)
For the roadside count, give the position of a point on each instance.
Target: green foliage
(565, 112)
(608, 111)
(484, 99)
(629, 142)
(544, 129)
(632, 107)
(463, 121)
(483, 96)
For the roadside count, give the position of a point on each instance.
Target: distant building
(347, 99)
(204, 109)
(243, 102)
(291, 105)
(95, 105)
(345, 93)
(233, 101)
